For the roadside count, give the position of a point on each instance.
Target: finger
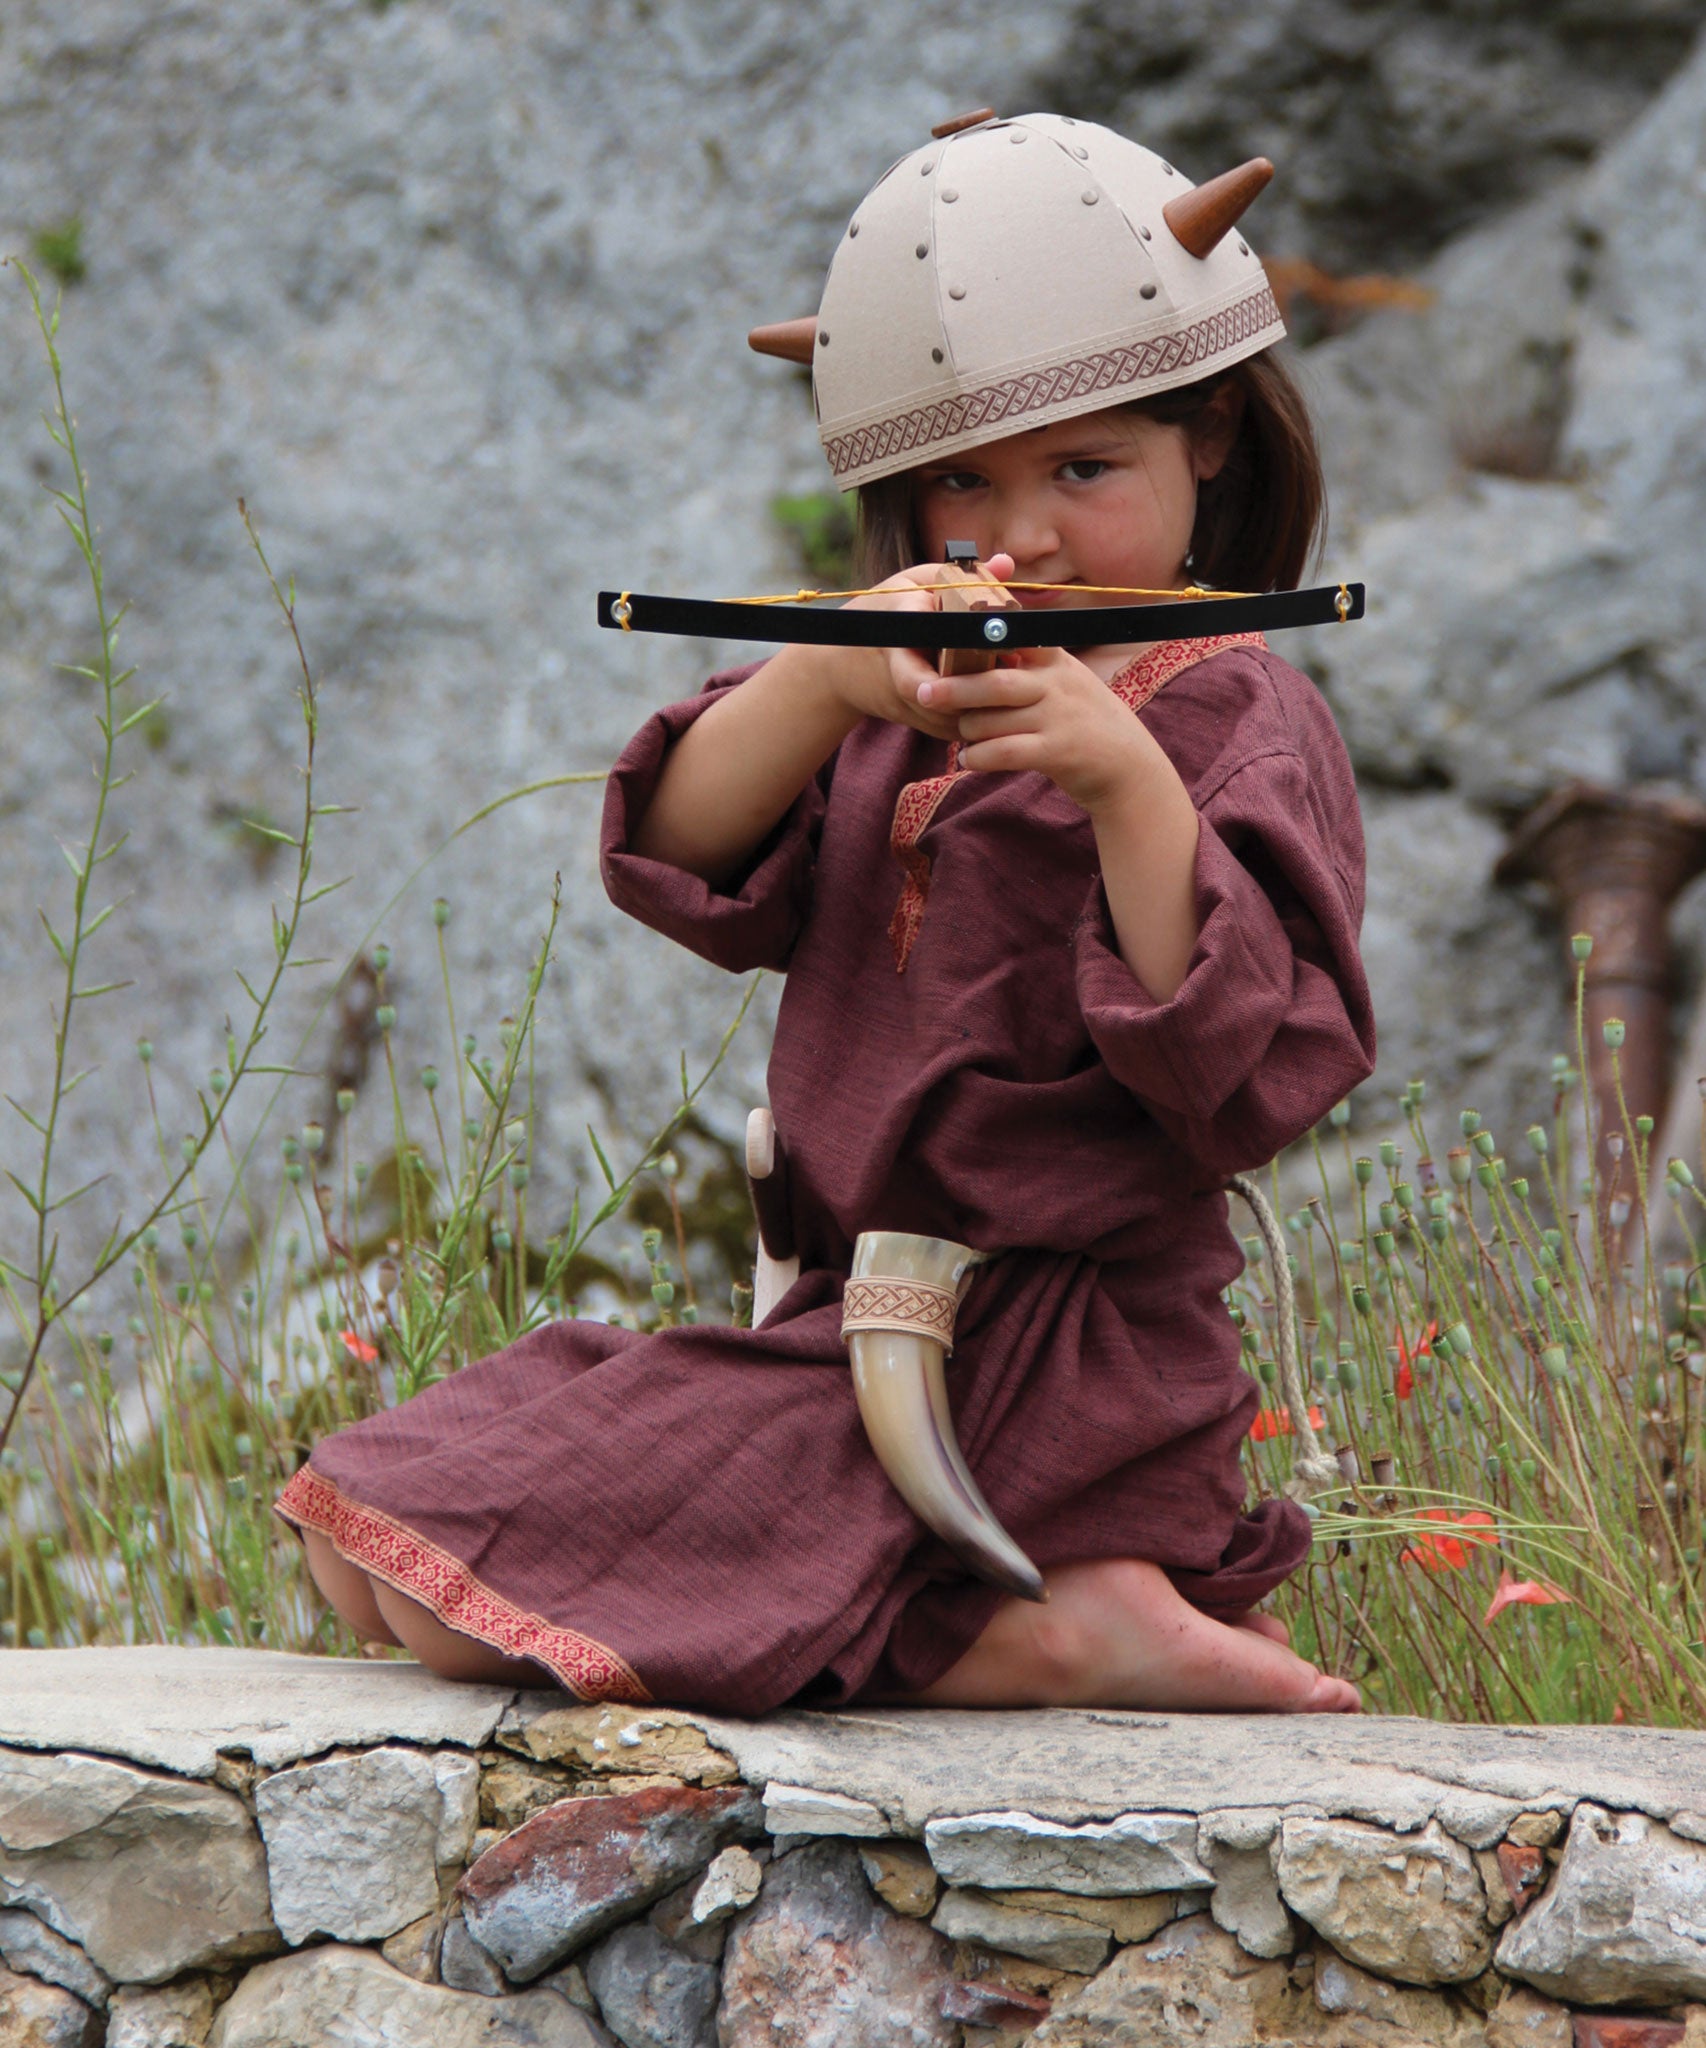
(1001, 756)
(995, 725)
(975, 693)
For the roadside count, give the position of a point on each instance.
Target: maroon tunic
(696, 1516)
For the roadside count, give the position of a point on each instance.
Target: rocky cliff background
(453, 293)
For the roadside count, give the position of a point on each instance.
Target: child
(1067, 944)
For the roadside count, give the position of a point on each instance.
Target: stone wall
(246, 1850)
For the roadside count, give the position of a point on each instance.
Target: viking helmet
(1014, 273)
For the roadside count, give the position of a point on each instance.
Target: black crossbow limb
(1191, 618)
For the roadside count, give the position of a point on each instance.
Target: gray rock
(1063, 1942)
(464, 1965)
(1193, 1982)
(1405, 1906)
(1623, 1921)
(650, 1994)
(819, 1963)
(1395, 2013)
(1393, 1771)
(457, 1776)
(731, 1881)
(148, 1875)
(799, 1810)
(352, 1997)
(1237, 1827)
(38, 2015)
(352, 1843)
(1246, 1899)
(30, 1945)
(1366, 107)
(1139, 1852)
(173, 2016)
(582, 1865)
(177, 1709)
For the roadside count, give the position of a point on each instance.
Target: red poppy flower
(1523, 1592)
(1277, 1422)
(1405, 1384)
(1437, 1551)
(358, 1347)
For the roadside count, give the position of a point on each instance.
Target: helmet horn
(1201, 217)
(792, 340)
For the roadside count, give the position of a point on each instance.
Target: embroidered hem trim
(918, 802)
(389, 1550)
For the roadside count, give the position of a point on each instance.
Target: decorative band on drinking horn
(915, 1307)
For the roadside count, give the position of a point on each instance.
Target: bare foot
(1116, 1633)
(1268, 1625)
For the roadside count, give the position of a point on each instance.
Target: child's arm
(736, 770)
(1049, 712)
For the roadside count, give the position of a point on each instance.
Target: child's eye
(1083, 472)
(958, 480)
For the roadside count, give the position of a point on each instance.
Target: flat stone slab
(916, 1765)
(176, 1709)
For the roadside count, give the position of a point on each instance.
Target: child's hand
(1043, 709)
(884, 682)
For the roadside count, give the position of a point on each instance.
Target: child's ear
(1214, 431)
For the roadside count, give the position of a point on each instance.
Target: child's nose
(1027, 537)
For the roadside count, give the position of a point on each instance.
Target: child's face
(1106, 499)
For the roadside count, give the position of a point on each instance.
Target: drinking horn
(898, 1324)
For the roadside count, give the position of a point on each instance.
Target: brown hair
(1259, 520)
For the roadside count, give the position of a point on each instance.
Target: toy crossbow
(989, 627)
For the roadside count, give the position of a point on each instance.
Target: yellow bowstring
(1191, 590)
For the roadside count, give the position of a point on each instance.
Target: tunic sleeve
(1272, 1024)
(754, 916)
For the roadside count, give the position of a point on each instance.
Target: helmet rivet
(852, 229)
(1146, 291)
(936, 355)
(956, 291)
(1081, 153)
(995, 629)
(823, 337)
(1147, 236)
(922, 251)
(1018, 135)
(1089, 198)
(924, 169)
(1243, 248)
(948, 195)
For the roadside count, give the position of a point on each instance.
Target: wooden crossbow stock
(900, 1301)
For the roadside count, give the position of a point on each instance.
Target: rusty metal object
(1616, 858)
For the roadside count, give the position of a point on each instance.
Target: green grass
(1549, 1435)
